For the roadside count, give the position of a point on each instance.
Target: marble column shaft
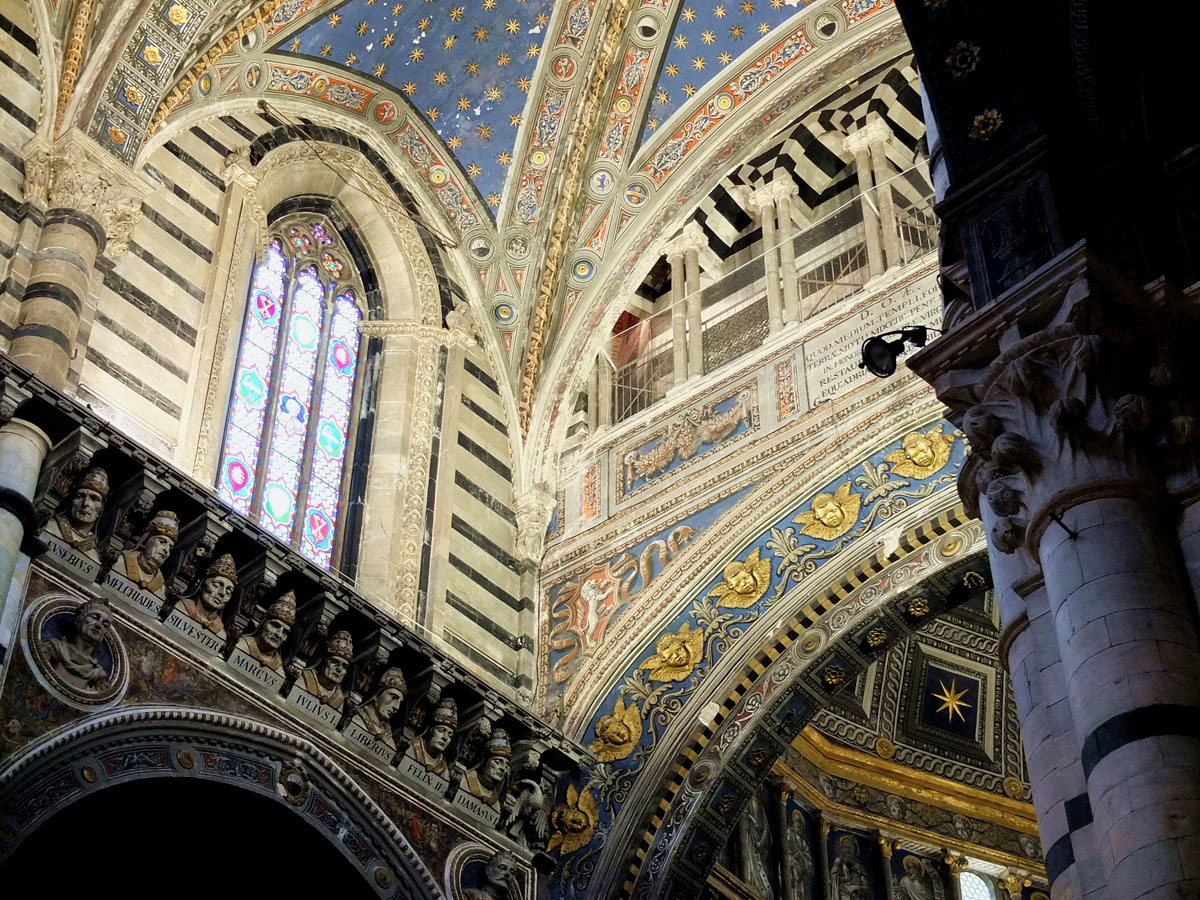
(857, 145)
(1131, 663)
(784, 201)
(763, 201)
(695, 331)
(679, 349)
(44, 340)
(23, 448)
(877, 144)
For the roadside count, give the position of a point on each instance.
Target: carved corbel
(63, 464)
(256, 582)
(370, 659)
(533, 510)
(317, 615)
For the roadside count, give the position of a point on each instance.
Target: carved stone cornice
(429, 335)
(73, 173)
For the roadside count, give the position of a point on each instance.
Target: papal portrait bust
(375, 715)
(206, 605)
(325, 683)
(143, 563)
(430, 749)
(263, 645)
(75, 524)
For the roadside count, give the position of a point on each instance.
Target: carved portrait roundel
(74, 650)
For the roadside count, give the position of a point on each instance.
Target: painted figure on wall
(264, 645)
(917, 884)
(430, 750)
(496, 874)
(798, 862)
(76, 524)
(74, 660)
(486, 780)
(754, 844)
(206, 605)
(143, 564)
(375, 716)
(325, 683)
(848, 878)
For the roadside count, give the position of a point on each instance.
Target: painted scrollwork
(684, 439)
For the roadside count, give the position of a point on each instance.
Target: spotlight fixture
(879, 354)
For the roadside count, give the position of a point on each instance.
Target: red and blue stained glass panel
(293, 335)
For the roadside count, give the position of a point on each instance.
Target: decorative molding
(588, 120)
(81, 26)
(425, 335)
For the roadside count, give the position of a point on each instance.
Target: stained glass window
(283, 460)
(972, 887)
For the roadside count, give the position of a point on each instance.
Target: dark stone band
(1059, 858)
(47, 332)
(1079, 812)
(21, 507)
(53, 290)
(1137, 725)
(63, 216)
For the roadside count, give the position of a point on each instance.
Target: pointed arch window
(288, 431)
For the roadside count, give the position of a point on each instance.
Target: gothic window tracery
(287, 432)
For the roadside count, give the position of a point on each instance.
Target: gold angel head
(921, 455)
(831, 515)
(676, 655)
(745, 582)
(617, 734)
(574, 821)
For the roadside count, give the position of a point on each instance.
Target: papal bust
(75, 524)
(430, 750)
(375, 716)
(263, 645)
(206, 605)
(325, 683)
(143, 564)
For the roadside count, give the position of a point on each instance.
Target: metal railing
(832, 266)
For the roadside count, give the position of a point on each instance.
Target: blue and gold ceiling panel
(465, 65)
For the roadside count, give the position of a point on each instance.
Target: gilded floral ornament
(679, 653)
(745, 582)
(574, 821)
(986, 124)
(921, 455)
(617, 734)
(831, 515)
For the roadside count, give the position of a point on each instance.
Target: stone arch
(162, 742)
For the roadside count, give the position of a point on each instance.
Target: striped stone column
(90, 208)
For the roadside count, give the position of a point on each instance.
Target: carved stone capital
(771, 196)
(691, 239)
(240, 170)
(74, 174)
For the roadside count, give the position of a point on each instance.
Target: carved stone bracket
(533, 509)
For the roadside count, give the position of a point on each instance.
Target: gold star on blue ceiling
(707, 37)
(465, 65)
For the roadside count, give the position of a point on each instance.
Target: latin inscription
(259, 673)
(372, 744)
(476, 807)
(127, 589)
(418, 773)
(194, 632)
(831, 358)
(322, 712)
(72, 558)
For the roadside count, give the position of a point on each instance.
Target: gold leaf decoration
(676, 655)
(745, 582)
(831, 515)
(921, 455)
(617, 734)
(574, 822)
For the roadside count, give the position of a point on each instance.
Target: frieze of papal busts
(206, 604)
(495, 874)
(486, 780)
(264, 644)
(375, 715)
(143, 563)
(75, 524)
(430, 749)
(325, 682)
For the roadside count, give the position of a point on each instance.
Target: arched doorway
(185, 837)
